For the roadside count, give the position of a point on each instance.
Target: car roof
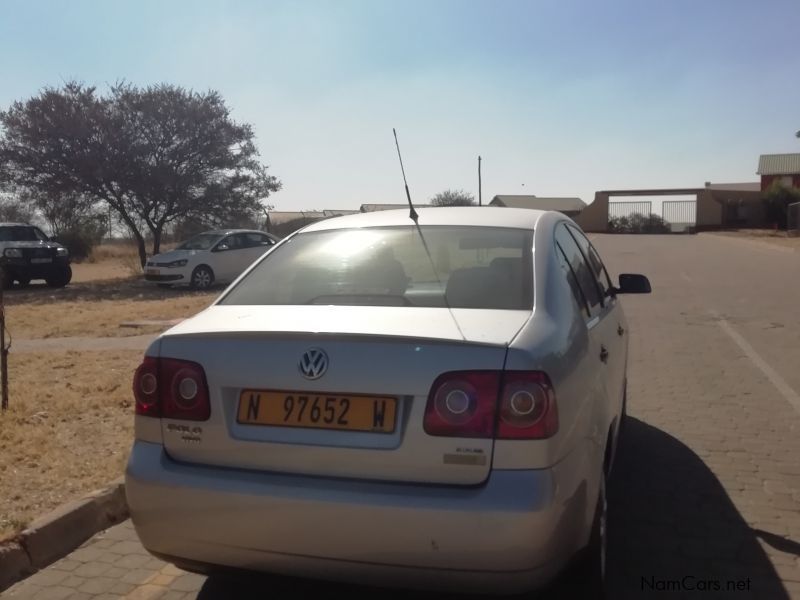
(477, 216)
(229, 231)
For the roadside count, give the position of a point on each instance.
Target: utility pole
(3, 349)
(480, 202)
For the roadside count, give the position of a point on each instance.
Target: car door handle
(620, 330)
(603, 354)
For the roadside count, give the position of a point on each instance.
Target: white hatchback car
(432, 406)
(211, 257)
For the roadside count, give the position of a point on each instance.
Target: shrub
(639, 223)
(777, 199)
(287, 227)
(81, 238)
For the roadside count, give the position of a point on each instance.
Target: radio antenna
(415, 217)
(412, 213)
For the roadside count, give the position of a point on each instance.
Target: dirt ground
(767, 236)
(69, 424)
(101, 271)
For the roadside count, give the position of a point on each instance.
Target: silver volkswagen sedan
(432, 405)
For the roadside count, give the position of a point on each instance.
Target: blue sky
(563, 96)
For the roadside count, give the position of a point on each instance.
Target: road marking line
(780, 384)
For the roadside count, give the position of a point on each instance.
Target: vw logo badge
(313, 363)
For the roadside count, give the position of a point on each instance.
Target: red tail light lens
(172, 389)
(185, 395)
(527, 406)
(465, 404)
(462, 404)
(145, 388)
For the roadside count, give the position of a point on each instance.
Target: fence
(793, 219)
(626, 209)
(638, 216)
(680, 214)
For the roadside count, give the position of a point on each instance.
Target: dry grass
(102, 295)
(98, 318)
(122, 258)
(112, 252)
(100, 271)
(67, 431)
(68, 428)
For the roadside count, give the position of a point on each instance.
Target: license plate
(318, 411)
(151, 271)
(41, 260)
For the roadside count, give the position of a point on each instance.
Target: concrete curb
(58, 533)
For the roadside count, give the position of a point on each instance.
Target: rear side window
(253, 240)
(261, 240)
(202, 241)
(583, 273)
(230, 242)
(593, 258)
(566, 271)
(460, 267)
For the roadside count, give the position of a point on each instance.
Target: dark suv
(27, 253)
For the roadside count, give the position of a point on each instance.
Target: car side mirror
(631, 283)
(222, 248)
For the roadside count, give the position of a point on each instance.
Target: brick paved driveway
(706, 491)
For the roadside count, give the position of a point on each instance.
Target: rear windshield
(463, 267)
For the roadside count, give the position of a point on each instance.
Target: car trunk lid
(381, 360)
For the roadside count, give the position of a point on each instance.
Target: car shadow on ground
(673, 533)
(134, 288)
(673, 530)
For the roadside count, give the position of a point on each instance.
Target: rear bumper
(511, 534)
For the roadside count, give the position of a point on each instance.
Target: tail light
(527, 406)
(145, 388)
(172, 389)
(465, 404)
(462, 404)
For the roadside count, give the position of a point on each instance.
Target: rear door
(597, 323)
(611, 313)
(253, 246)
(227, 258)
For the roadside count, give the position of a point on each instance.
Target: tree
(453, 198)
(155, 156)
(67, 211)
(621, 224)
(14, 210)
(777, 199)
(74, 220)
